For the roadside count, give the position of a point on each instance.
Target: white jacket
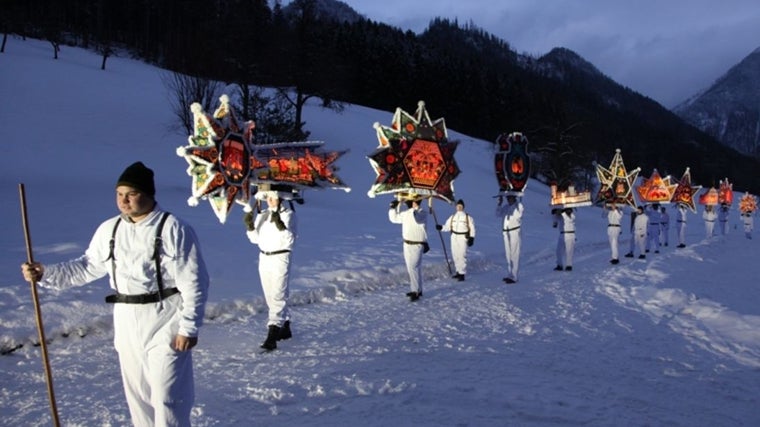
(413, 223)
(269, 237)
(512, 215)
(460, 223)
(640, 225)
(135, 272)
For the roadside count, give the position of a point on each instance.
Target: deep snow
(670, 341)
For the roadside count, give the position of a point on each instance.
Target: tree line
(476, 81)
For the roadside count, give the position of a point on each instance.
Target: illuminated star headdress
(414, 157)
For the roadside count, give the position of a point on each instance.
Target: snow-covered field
(670, 341)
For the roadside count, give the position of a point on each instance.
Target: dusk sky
(667, 50)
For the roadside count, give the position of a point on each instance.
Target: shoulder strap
(111, 245)
(157, 254)
(113, 240)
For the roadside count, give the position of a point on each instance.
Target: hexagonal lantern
(424, 163)
(234, 159)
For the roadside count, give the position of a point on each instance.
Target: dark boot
(271, 342)
(414, 296)
(285, 331)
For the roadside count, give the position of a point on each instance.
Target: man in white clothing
(275, 232)
(462, 229)
(681, 221)
(512, 213)
(565, 221)
(723, 218)
(664, 226)
(633, 243)
(653, 229)
(155, 266)
(640, 228)
(748, 222)
(614, 215)
(413, 222)
(709, 216)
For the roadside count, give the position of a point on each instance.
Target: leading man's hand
(32, 272)
(183, 343)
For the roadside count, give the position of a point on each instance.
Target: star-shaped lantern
(226, 167)
(512, 163)
(656, 189)
(616, 182)
(685, 192)
(747, 204)
(414, 157)
(709, 197)
(726, 192)
(219, 158)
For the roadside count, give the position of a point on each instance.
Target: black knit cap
(138, 176)
(460, 202)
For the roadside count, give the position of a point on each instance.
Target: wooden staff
(440, 234)
(38, 315)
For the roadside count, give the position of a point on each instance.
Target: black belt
(680, 221)
(281, 251)
(567, 232)
(613, 225)
(460, 232)
(507, 230)
(411, 242)
(709, 220)
(141, 299)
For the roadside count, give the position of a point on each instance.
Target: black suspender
(157, 246)
(157, 255)
(111, 245)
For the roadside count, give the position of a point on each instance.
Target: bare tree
(558, 161)
(183, 91)
(274, 115)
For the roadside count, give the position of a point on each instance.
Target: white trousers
(565, 249)
(413, 259)
(664, 231)
(641, 243)
(459, 252)
(653, 237)
(158, 381)
(274, 271)
(613, 233)
(709, 228)
(682, 232)
(512, 249)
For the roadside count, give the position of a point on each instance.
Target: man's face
(132, 202)
(273, 201)
(511, 200)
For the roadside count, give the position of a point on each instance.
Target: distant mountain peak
(565, 57)
(329, 10)
(729, 109)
